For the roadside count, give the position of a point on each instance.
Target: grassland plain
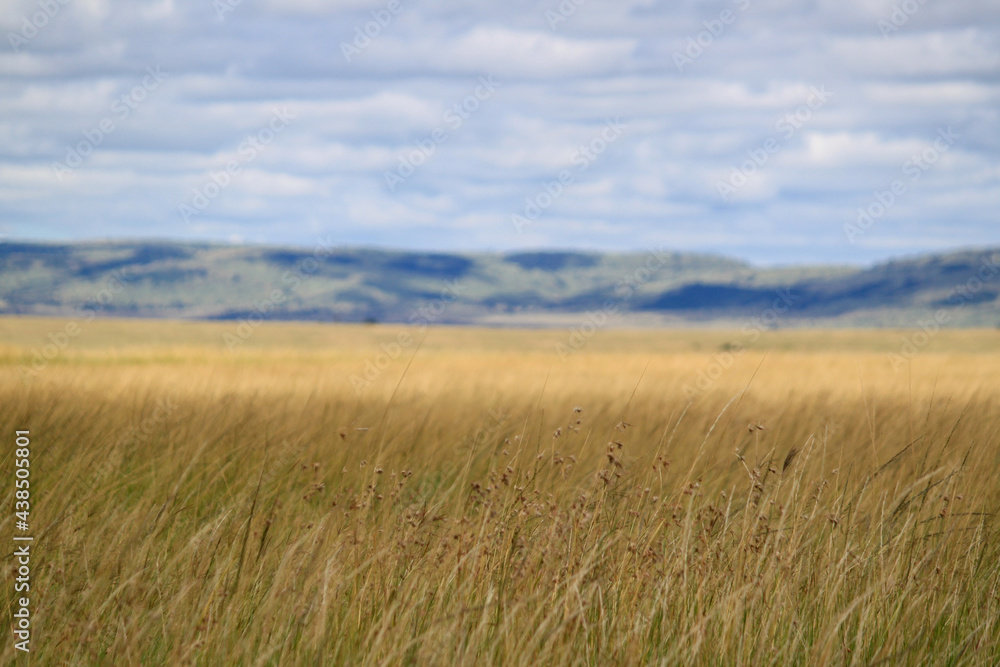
(484, 499)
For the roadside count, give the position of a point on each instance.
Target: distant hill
(327, 283)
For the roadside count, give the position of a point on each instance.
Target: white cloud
(504, 53)
(960, 53)
(656, 185)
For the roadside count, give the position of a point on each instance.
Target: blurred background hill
(221, 282)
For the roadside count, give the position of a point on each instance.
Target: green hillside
(330, 283)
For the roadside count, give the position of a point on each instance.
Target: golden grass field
(486, 500)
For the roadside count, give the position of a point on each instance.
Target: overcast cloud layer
(750, 127)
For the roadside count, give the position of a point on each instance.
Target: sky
(844, 131)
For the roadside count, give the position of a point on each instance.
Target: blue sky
(754, 128)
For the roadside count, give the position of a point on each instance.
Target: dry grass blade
(476, 514)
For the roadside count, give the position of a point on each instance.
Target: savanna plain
(368, 495)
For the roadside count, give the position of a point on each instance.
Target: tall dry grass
(487, 502)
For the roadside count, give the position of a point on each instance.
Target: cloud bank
(775, 131)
